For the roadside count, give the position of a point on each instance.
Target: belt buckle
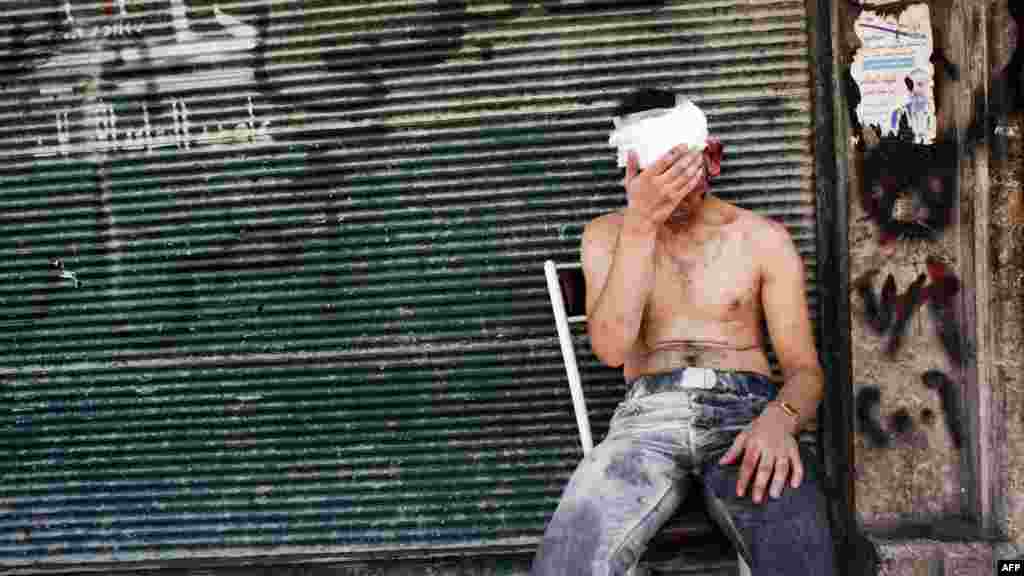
(700, 378)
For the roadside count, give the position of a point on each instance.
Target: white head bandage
(652, 133)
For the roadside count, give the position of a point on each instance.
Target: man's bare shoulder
(604, 230)
(771, 242)
(765, 233)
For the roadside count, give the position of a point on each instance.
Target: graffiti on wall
(893, 310)
(868, 402)
(883, 432)
(122, 27)
(909, 188)
(941, 294)
(127, 77)
(887, 312)
(908, 192)
(890, 311)
(107, 134)
(125, 80)
(949, 397)
(135, 92)
(120, 71)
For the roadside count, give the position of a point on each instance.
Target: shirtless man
(678, 285)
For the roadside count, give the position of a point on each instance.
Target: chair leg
(638, 570)
(744, 569)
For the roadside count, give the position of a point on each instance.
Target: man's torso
(705, 307)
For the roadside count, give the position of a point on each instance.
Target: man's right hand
(656, 192)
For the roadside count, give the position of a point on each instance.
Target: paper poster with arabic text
(895, 75)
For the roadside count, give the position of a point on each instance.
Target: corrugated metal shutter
(270, 272)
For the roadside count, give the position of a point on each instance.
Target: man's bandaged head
(652, 133)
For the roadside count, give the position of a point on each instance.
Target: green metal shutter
(270, 272)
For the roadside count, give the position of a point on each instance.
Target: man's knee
(805, 504)
(795, 526)
(577, 542)
(571, 540)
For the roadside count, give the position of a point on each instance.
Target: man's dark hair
(644, 99)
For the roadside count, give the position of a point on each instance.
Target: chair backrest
(567, 290)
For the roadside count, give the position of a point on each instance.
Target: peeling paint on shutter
(270, 272)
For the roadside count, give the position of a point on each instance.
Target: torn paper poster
(654, 132)
(894, 72)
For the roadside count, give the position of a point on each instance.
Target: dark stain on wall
(868, 401)
(891, 312)
(943, 63)
(906, 304)
(941, 294)
(927, 416)
(909, 188)
(901, 422)
(877, 311)
(1008, 86)
(950, 398)
(853, 99)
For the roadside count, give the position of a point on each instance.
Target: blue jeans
(669, 432)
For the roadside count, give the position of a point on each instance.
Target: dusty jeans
(670, 431)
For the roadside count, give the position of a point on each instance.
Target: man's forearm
(803, 391)
(618, 314)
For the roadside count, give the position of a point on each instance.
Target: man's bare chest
(713, 276)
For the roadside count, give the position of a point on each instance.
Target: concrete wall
(938, 450)
(1006, 255)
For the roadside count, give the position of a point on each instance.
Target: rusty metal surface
(270, 272)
